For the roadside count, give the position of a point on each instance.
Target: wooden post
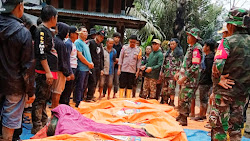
(121, 29)
(67, 4)
(104, 6)
(92, 6)
(54, 3)
(79, 5)
(117, 6)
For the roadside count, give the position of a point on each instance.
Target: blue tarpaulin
(192, 135)
(200, 135)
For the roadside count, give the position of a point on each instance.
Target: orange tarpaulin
(156, 119)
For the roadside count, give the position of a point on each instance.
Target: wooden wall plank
(79, 5)
(117, 6)
(54, 3)
(104, 6)
(67, 4)
(92, 5)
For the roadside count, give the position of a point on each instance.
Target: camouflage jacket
(191, 66)
(171, 65)
(233, 58)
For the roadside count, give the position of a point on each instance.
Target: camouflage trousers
(168, 88)
(227, 116)
(43, 93)
(149, 87)
(186, 94)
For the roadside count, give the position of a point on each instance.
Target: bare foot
(108, 97)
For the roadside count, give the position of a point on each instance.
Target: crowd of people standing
(53, 60)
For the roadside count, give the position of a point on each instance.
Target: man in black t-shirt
(46, 66)
(118, 47)
(96, 51)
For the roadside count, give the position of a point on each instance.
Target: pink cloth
(221, 52)
(71, 121)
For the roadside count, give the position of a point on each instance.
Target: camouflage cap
(235, 16)
(195, 32)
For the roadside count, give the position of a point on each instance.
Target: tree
(171, 18)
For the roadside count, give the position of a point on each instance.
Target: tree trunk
(179, 23)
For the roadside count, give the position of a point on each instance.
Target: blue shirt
(109, 59)
(84, 49)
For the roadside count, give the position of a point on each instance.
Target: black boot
(171, 103)
(183, 120)
(178, 118)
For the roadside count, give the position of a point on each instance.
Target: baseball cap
(9, 5)
(156, 41)
(73, 29)
(101, 32)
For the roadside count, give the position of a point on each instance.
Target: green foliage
(160, 16)
(148, 42)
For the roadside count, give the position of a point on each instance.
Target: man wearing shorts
(129, 66)
(109, 58)
(17, 67)
(64, 69)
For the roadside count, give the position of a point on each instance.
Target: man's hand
(137, 74)
(102, 72)
(68, 78)
(225, 82)
(116, 60)
(148, 70)
(215, 71)
(91, 65)
(49, 78)
(176, 76)
(30, 100)
(211, 99)
(72, 76)
(181, 81)
(118, 71)
(143, 68)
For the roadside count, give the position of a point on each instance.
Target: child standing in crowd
(205, 83)
(152, 70)
(189, 74)
(109, 59)
(171, 66)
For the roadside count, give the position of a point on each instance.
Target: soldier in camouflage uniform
(231, 60)
(171, 66)
(189, 75)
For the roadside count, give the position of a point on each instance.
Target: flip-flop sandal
(26, 120)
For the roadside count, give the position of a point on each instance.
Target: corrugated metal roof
(96, 14)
